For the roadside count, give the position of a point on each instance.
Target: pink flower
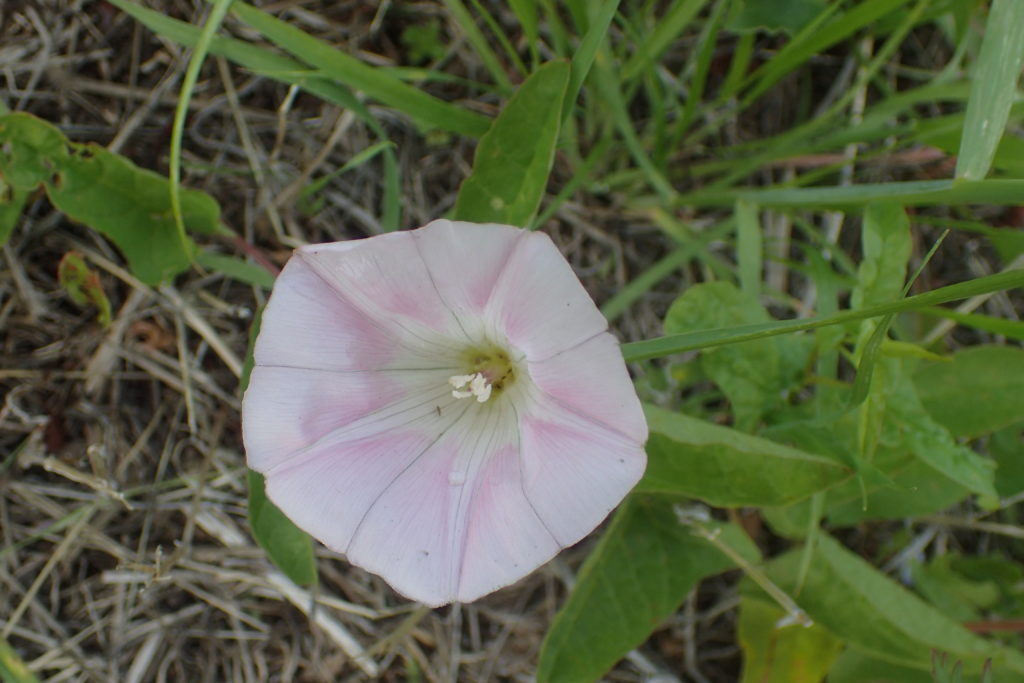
(444, 406)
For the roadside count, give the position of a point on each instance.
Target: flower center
(489, 371)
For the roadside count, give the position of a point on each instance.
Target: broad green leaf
(993, 88)
(728, 468)
(12, 668)
(854, 666)
(791, 653)
(106, 192)
(636, 577)
(747, 373)
(288, 547)
(513, 159)
(885, 241)
(379, 85)
(1004, 447)
(979, 391)
(689, 341)
(959, 597)
(877, 616)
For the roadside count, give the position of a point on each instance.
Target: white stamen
(471, 385)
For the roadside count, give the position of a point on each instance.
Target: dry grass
(124, 547)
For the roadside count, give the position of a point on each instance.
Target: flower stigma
(490, 370)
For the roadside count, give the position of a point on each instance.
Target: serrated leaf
(980, 391)
(642, 569)
(879, 617)
(728, 468)
(514, 157)
(748, 373)
(790, 653)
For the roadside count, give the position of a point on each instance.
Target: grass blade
(677, 343)
(335, 64)
(993, 88)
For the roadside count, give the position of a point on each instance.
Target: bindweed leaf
(748, 373)
(83, 285)
(725, 467)
(877, 616)
(289, 548)
(513, 159)
(978, 392)
(778, 652)
(642, 569)
(106, 192)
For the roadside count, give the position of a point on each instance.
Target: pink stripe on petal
(465, 260)
(384, 277)
(411, 535)
(575, 472)
(539, 304)
(591, 379)
(307, 324)
(505, 539)
(287, 409)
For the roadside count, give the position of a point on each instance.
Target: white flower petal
(288, 409)
(591, 379)
(575, 471)
(539, 304)
(385, 278)
(465, 261)
(307, 324)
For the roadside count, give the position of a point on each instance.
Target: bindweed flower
(444, 406)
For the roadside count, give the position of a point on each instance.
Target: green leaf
(289, 548)
(747, 373)
(877, 616)
(1004, 447)
(513, 160)
(636, 577)
(12, 668)
(728, 468)
(885, 240)
(978, 392)
(106, 192)
(855, 667)
(791, 653)
(993, 88)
